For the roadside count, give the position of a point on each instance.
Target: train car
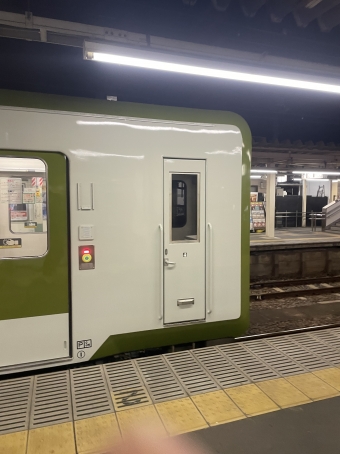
(123, 227)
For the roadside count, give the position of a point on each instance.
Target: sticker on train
(18, 215)
(8, 243)
(84, 344)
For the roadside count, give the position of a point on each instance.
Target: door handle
(167, 262)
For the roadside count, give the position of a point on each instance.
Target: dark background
(270, 111)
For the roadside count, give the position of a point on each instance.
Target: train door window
(23, 206)
(184, 207)
(179, 203)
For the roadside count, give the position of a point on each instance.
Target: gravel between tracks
(288, 315)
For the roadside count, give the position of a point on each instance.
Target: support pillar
(304, 201)
(334, 191)
(270, 205)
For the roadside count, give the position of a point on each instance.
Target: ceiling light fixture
(150, 59)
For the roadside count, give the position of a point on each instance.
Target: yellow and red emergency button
(86, 257)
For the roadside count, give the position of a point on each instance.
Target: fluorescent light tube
(150, 59)
(312, 179)
(323, 171)
(255, 177)
(263, 171)
(317, 179)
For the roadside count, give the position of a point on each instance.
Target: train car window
(23, 202)
(184, 208)
(179, 203)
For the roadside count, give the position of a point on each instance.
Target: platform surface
(307, 429)
(78, 410)
(294, 236)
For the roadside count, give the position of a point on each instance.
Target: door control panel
(86, 257)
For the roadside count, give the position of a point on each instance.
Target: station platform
(295, 237)
(78, 410)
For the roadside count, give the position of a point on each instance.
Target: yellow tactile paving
(56, 439)
(217, 408)
(14, 443)
(89, 436)
(251, 400)
(180, 416)
(135, 418)
(93, 434)
(283, 393)
(330, 376)
(312, 386)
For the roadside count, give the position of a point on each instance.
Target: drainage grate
(218, 366)
(51, 402)
(127, 388)
(191, 374)
(299, 354)
(90, 394)
(274, 358)
(160, 381)
(248, 363)
(317, 347)
(15, 400)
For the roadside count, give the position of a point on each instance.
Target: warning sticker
(9, 243)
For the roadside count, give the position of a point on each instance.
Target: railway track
(294, 288)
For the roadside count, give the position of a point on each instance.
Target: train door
(34, 264)
(184, 240)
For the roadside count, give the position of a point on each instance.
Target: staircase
(331, 220)
(334, 228)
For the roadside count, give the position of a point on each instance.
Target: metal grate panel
(317, 347)
(299, 354)
(51, 403)
(248, 363)
(90, 394)
(218, 366)
(15, 401)
(126, 386)
(159, 379)
(274, 358)
(328, 338)
(190, 373)
(335, 331)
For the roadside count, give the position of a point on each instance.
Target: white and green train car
(122, 227)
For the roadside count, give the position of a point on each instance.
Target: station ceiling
(305, 30)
